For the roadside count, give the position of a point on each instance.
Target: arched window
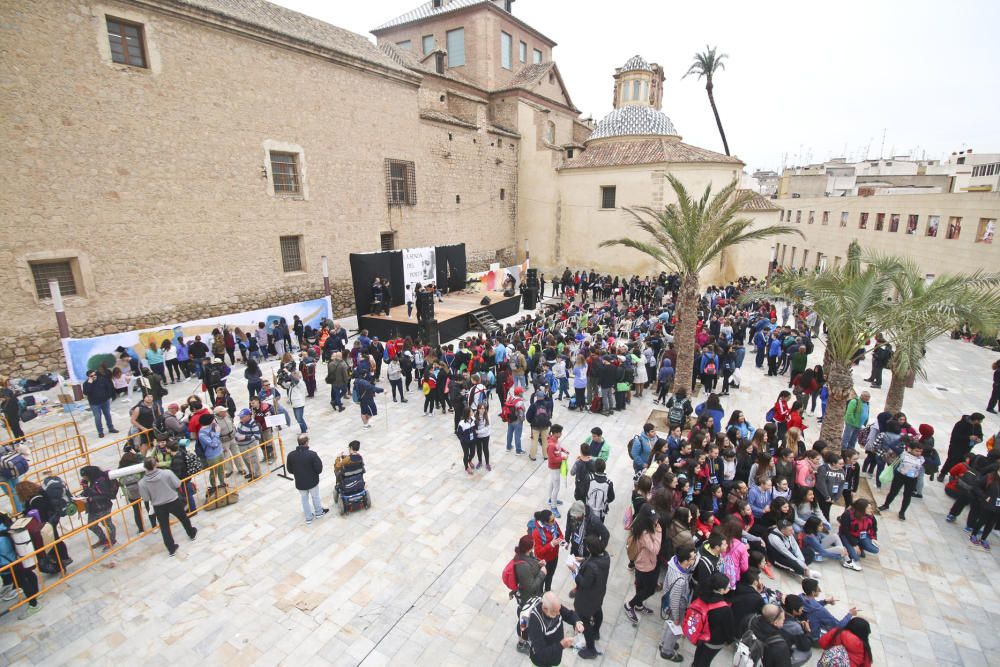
(550, 132)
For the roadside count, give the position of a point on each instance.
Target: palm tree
(687, 236)
(706, 65)
(851, 302)
(923, 311)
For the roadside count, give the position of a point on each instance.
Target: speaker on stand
(430, 332)
(425, 307)
(529, 298)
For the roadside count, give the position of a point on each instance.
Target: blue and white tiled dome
(634, 120)
(636, 63)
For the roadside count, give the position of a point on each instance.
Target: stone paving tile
(416, 579)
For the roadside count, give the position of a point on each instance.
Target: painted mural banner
(419, 266)
(83, 354)
(492, 280)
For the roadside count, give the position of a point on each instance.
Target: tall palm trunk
(897, 391)
(841, 387)
(687, 321)
(718, 121)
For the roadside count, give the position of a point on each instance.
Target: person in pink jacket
(736, 559)
(646, 532)
(805, 469)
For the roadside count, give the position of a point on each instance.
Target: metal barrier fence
(20, 571)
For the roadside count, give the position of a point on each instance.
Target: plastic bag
(890, 470)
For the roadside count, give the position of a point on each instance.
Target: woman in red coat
(547, 537)
(854, 638)
(795, 418)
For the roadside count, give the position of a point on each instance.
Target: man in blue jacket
(641, 447)
(814, 609)
(774, 351)
(100, 392)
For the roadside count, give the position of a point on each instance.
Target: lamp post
(326, 284)
(62, 324)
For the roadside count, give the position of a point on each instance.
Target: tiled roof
(634, 63)
(634, 120)
(271, 17)
(760, 203)
(442, 117)
(427, 9)
(529, 74)
(649, 151)
(409, 59)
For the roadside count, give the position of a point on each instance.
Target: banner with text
(419, 266)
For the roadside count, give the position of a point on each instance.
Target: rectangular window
(826, 218)
(456, 47)
(387, 240)
(863, 222)
(911, 224)
(879, 221)
(285, 173)
(636, 85)
(843, 218)
(933, 222)
(291, 253)
(536, 56)
(60, 270)
(987, 228)
(522, 52)
(127, 43)
(427, 43)
(894, 223)
(503, 194)
(400, 182)
(608, 196)
(798, 217)
(439, 63)
(954, 228)
(405, 44)
(506, 51)
(812, 217)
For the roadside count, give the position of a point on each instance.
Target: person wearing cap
(247, 437)
(211, 447)
(814, 609)
(99, 392)
(227, 438)
(306, 466)
(272, 397)
(783, 549)
(516, 426)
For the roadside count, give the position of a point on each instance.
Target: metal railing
(21, 569)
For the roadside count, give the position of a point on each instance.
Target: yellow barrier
(45, 437)
(17, 569)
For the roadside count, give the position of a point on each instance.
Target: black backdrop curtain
(451, 271)
(451, 266)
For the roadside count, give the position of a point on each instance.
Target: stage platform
(452, 316)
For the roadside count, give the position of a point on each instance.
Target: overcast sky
(804, 81)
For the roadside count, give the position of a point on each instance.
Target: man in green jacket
(855, 419)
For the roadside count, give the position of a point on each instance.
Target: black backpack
(677, 412)
(583, 481)
(213, 375)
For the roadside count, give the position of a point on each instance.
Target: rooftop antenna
(881, 150)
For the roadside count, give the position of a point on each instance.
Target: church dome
(634, 120)
(636, 63)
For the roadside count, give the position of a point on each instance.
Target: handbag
(886, 476)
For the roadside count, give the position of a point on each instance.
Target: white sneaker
(10, 594)
(851, 565)
(813, 574)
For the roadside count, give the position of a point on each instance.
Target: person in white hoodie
(158, 487)
(676, 598)
(296, 389)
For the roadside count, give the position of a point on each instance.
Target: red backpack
(508, 413)
(509, 577)
(695, 626)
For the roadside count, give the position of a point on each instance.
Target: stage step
(484, 321)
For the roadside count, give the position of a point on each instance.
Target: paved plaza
(416, 579)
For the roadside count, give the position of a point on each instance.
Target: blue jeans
(300, 418)
(102, 409)
(192, 502)
(514, 432)
(337, 393)
(564, 387)
(283, 411)
(520, 381)
(317, 507)
(850, 438)
(864, 543)
(816, 545)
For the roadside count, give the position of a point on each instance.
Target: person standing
(483, 436)
(880, 360)
(158, 487)
(211, 448)
(338, 376)
(529, 577)
(515, 425)
(545, 631)
(646, 534)
(248, 436)
(721, 624)
(296, 391)
(539, 415)
(591, 577)
(547, 537)
(366, 398)
(306, 466)
(991, 405)
(100, 392)
(855, 418)
(556, 454)
(155, 359)
(966, 434)
(909, 468)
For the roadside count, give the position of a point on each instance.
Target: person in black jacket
(745, 599)
(306, 466)
(991, 405)
(545, 631)
(964, 436)
(591, 585)
(987, 505)
(722, 627)
(100, 392)
(767, 628)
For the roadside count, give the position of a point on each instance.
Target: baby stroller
(350, 492)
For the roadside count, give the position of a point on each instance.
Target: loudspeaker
(485, 301)
(532, 274)
(425, 305)
(529, 298)
(509, 291)
(531, 279)
(430, 332)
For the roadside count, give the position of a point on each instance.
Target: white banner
(419, 266)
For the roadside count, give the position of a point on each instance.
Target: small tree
(686, 237)
(707, 64)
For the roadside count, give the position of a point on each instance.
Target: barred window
(608, 193)
(126, 41)
(400, 182)
(387, 240)
(60, 270)
(291, 253)
(285, 173)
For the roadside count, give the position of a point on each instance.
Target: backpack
(541, 416)
(59, 497)
(769, 417)
(508, 576)
(835, 656)
(192, 464)
(597, 496)
(631, 547)
(676, 413)
(710, 368)
(582, 483)
(750, 649)
(107, 487)
(728, 366)
(355, 394)
(628, 517)
(13, 464)
(629, 373)
(695, 625)
(213, 375)
(967, 482)
(508, 413)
